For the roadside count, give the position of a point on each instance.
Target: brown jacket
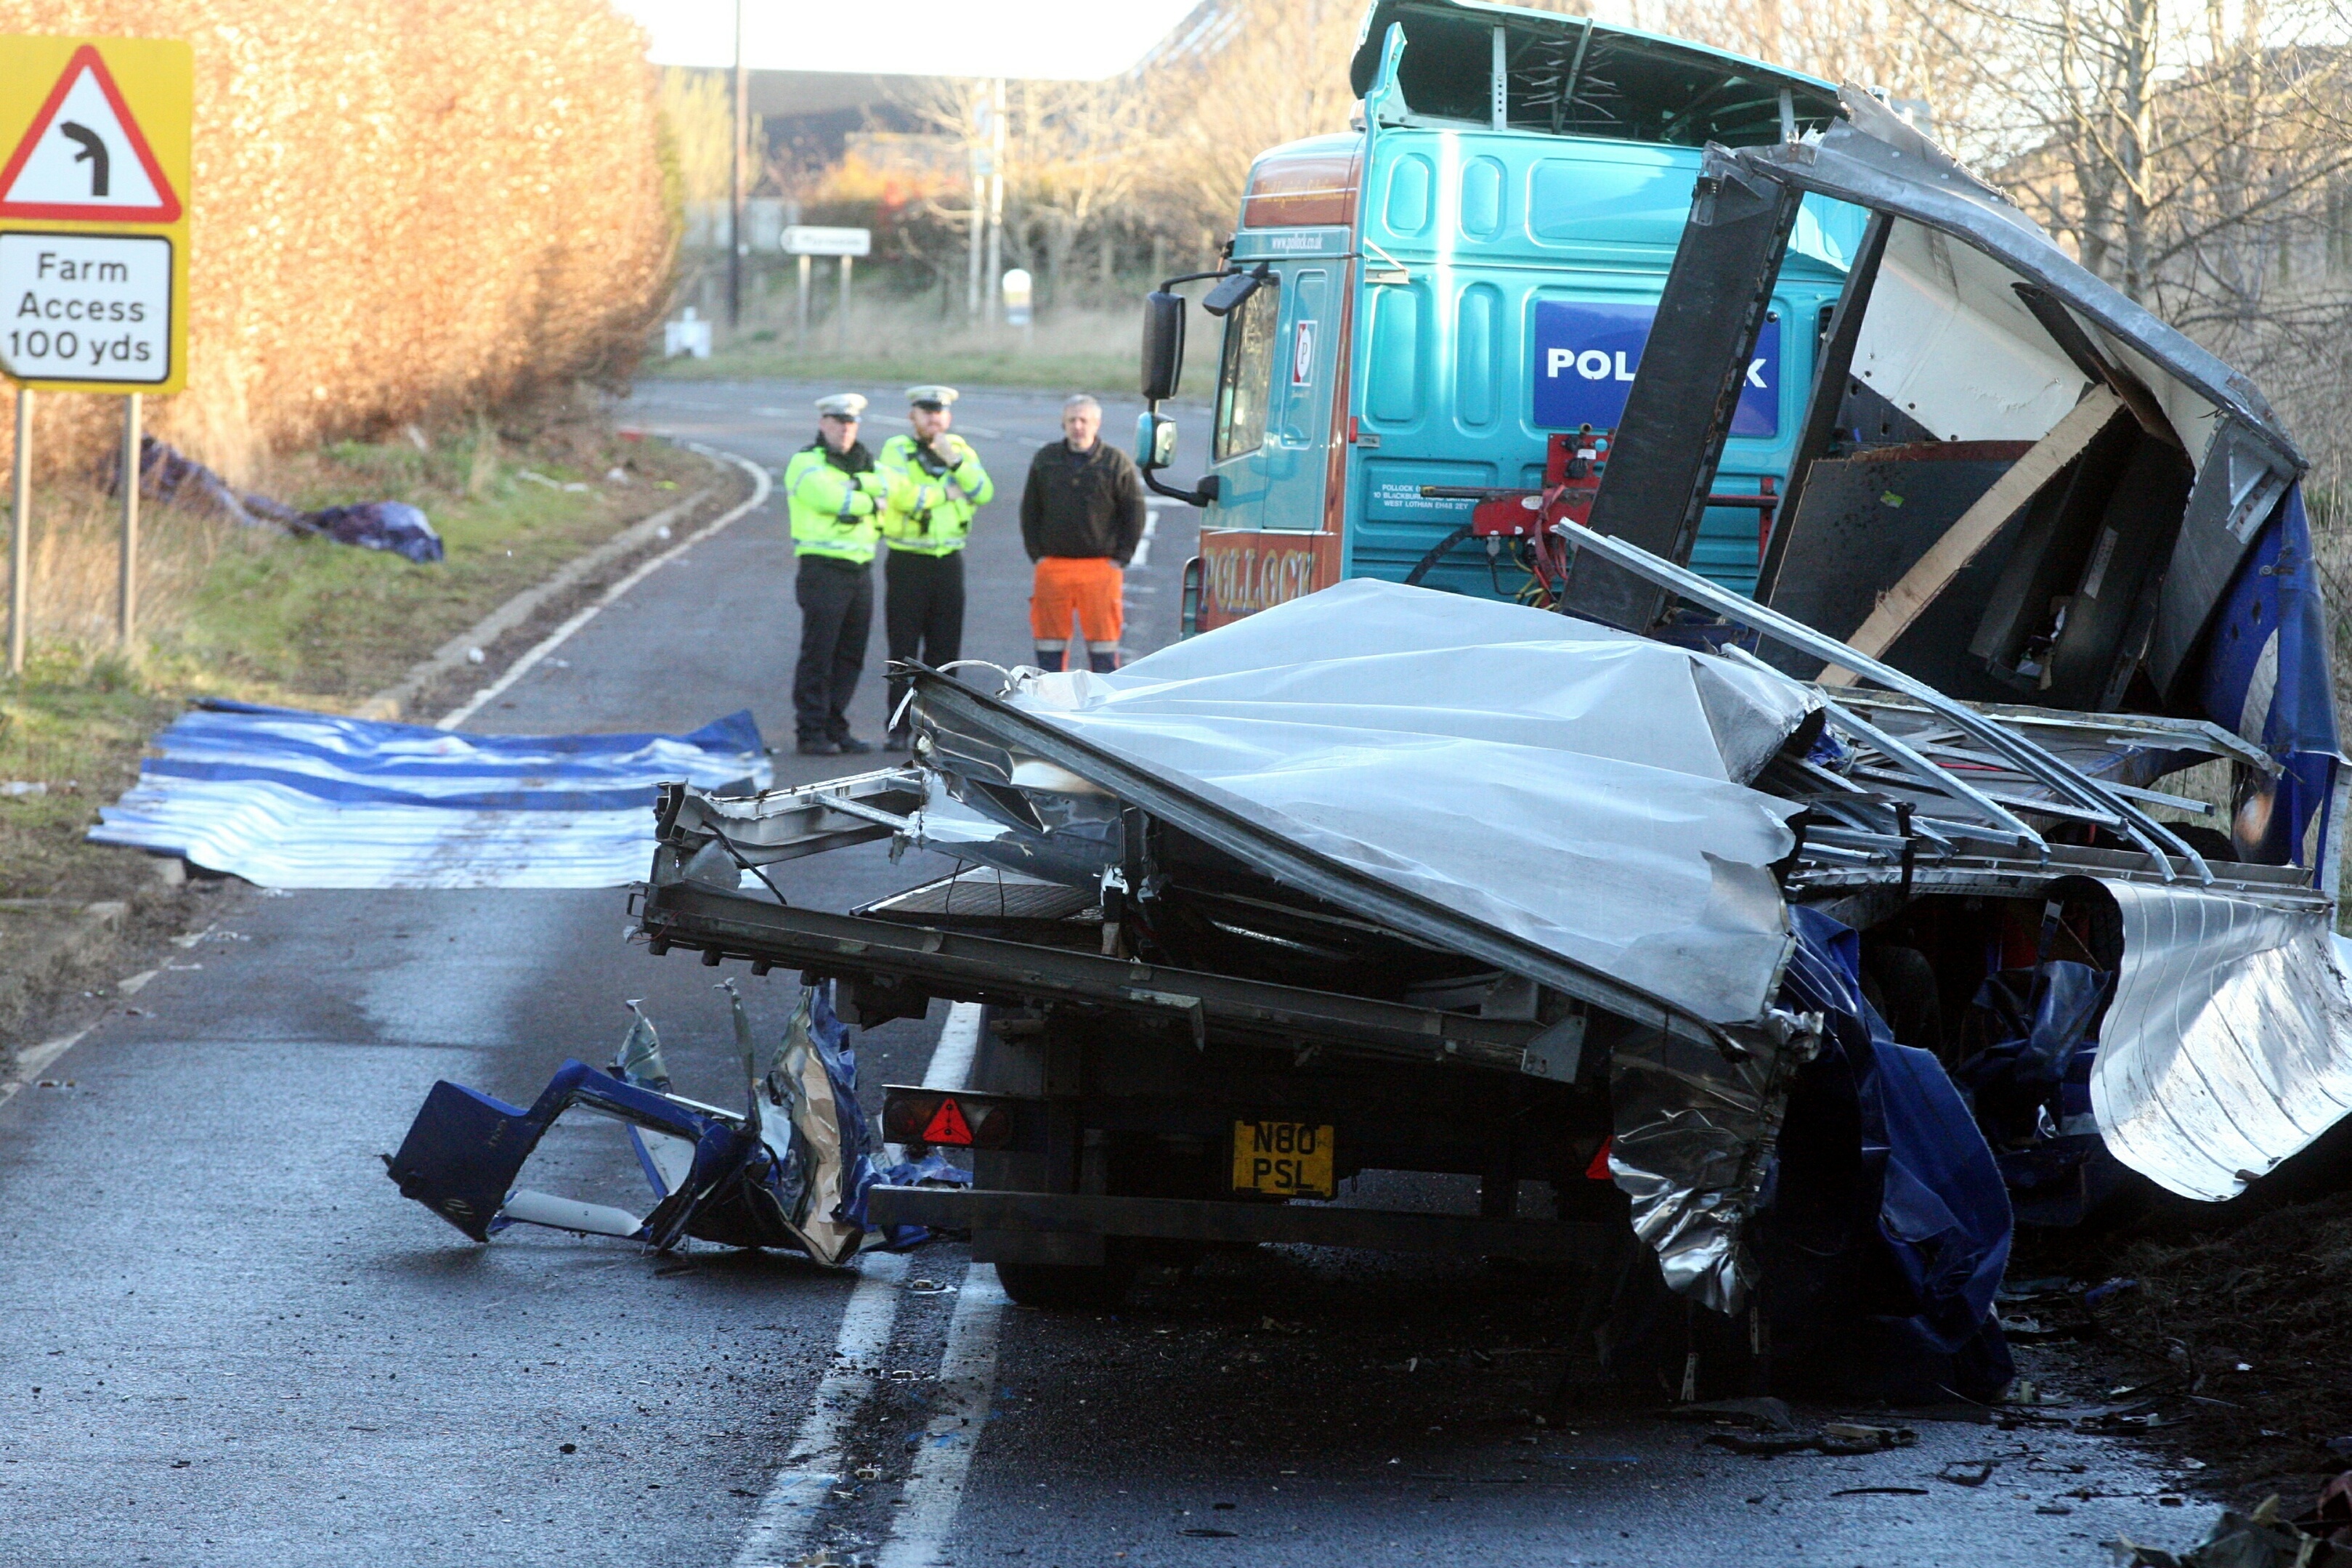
(1087, 505)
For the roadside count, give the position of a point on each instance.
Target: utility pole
(735, 180)
(982, 166)
(995, 197)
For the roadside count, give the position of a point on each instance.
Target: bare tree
(1252, 75)
(701, 124)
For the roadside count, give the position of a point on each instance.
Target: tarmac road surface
(225, 1340)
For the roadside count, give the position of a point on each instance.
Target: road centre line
(788, 1513)
(967, 1367)
(959, 1043)
(760, 488)
(943, 1459)
(799, 1490)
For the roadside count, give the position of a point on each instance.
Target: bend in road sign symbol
(85, 156)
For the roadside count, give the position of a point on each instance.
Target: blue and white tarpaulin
(288, 799)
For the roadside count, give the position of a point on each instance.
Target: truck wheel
(1068, 1287)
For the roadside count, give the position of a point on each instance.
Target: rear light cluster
(956, 1121)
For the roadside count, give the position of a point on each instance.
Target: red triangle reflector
(1597, 1171)
(948, 1126)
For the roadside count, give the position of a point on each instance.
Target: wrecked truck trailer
(1472, 889)
(1794, 974)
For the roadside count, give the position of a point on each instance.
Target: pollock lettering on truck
(1585, 356)
(86, 306)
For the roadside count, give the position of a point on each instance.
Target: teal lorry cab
(1471, 271)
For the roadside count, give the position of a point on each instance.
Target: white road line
(788, 1513)
(33, 1057)
(761, 485)
(966, 1368)
(943, 1461)
(959, 1043)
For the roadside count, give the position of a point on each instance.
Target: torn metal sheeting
(2227, 1047)
(1875, 160)
(1980, 328)
(1692, 1146)
(1582, 820)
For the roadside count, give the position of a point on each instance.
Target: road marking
(33, 1059)
(943, 1461)
(761, 487)
(967, 1367)
(959, 1043)
(788, 1513)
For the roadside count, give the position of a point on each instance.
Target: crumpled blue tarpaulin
(2029, 1085)
(286, 798)
(2266, 677)
(792, 1171)
(1887, 1225)
(169, 476)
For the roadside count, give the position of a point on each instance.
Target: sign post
(20, 531)
(93, 249)
(805, 240)
(127, 591)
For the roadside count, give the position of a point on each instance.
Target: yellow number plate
(1288, 1159)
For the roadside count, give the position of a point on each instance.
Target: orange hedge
(403, 208)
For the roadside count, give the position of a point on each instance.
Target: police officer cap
(931, 397)
(842, 405)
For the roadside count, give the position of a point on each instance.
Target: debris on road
(792, 1171)
(1766, 1413)
(1841, 1439)
(2264, 1539)
(291, 798)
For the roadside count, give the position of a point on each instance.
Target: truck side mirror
(1235, 287)
(1155, 442)
(1163, 345)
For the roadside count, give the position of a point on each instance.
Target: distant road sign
(94, 212)
(800, 239)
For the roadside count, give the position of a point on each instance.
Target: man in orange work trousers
(1081, 518)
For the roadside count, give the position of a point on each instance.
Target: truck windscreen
(1245, 379)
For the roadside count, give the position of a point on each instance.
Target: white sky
(1036, 39)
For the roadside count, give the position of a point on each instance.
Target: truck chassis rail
(979, 969)
(1193, 1220)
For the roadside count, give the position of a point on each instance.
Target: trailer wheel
(1069, 1287)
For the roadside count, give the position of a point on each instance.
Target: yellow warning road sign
(94, 195)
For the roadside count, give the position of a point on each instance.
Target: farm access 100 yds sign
(94, 212)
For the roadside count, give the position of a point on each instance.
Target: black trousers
(922, 610)
(837, 602)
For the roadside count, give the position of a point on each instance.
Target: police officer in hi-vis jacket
(836, 493)
(939, 484)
